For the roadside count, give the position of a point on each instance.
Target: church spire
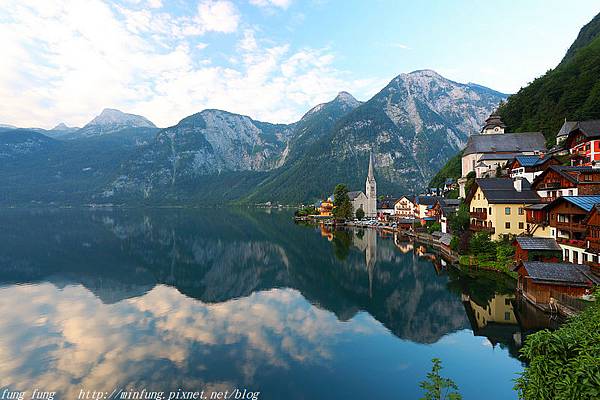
(370, 176)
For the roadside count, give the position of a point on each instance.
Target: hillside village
(539, 206)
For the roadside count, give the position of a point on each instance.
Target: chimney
(518, 184)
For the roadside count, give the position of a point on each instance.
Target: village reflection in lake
(235, 298)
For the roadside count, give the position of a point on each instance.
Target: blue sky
(64, 61)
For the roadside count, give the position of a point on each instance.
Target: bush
(434, 227)
(564, 364)
(360, 214)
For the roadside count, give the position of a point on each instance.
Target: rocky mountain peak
(111, 116)
(347, 98)
(63, 127)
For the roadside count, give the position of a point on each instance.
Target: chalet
(566, 216)
(492, 148)
(529, 167)
(558, 180)
(536, 280)
(530, 248)
(583, 142)
(424, 207)
(497, 205)
(443, 209)
(592, 237)
(404, 207)
(536, 216)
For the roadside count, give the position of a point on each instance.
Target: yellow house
(497, 205)
(326, 208)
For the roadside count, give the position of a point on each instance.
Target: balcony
(572, 242)
(570, 226)
(482, 228)
(593, 245)
(548, 185)
(482, 215)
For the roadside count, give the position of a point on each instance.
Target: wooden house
(566, 217)
(529, 167)
(558, 180)
(592, 238)
(529, 248)
(536, 280)
(583, 142)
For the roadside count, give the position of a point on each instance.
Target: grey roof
(427, 200)
(590, 128)
(451, 202)
(354, 194)
(446, 239)
(539, 206)
(437, 234)
(502, 191)
(557, 273)
(584, 202)
(505, 142)
(538, 243)
(566, 128)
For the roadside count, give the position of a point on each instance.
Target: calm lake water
(222, 299)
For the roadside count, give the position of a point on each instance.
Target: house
(326, 207)
(529, 167)
(583, 142)
(404, 207)
(558, 180)
(386, 206)
(442, 209)
(530, 248)
(497, 147)
(592, 238)
(564, 131)
(536, 280)
(497, 206)
(536, 216)
(424, 207)
(450, 184)
(566, 216)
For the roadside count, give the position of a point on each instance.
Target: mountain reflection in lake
(219, 299)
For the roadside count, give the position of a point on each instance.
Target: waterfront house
(529, 167)
(583, 142)
(424, 207)
(497, 206)
(537, 280)
(566, 216)
(386, 207)
(404, 207)
(493, 148)
(326, 207)
(558, 180)
(531, 248)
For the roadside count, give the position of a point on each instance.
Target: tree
(459, 222)
(437, 387)
(360, 214)
(342, 208)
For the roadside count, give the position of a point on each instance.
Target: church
(366, 200)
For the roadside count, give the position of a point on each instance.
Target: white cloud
(66, 61)
(272, 3)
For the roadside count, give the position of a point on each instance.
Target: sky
(65, 61)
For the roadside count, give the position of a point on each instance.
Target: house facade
(497, 206)
(529, 167)
(583, 142)
(558, 180)
(405, 207)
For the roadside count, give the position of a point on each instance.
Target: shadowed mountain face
(217, 257)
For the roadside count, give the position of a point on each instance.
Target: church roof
(505, 142)
(353, 195)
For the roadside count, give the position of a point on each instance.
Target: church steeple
(371, 190)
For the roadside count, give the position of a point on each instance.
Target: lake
(117, 301)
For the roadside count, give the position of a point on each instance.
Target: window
(521, 225)
(570, 192)
(507, 316)
(507, 225)
(566, 255)
(521, 211)
(490, 210)
(507, 302)
(507, 210)
(585, 257)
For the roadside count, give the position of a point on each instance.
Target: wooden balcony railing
(548, 185)
(570, 226)
(482, 228)
(479, 215)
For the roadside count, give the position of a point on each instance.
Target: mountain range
(412, 126)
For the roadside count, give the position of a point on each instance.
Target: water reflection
(218, 299)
